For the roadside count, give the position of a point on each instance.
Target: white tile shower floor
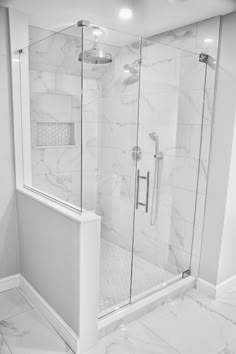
(115, 276)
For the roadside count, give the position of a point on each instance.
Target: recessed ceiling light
(125, 13)
(208, 40)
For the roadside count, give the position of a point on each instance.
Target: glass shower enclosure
(114, 126)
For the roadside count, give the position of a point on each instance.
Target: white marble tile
(44, 160)
(183, 204)
(134, 338)
(50, 107)
(192, 73)
(190, 327)
(182, 38)
(190, 107)
(12, 303)
(42, 82)
(68, 159)
(57, 53)
(208, 36)
(224, 304)
(29, 332)
(58, 185)
(187, 142)
(184, 173)
(4, 349)
(230, 349)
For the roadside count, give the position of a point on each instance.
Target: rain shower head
(95, 55)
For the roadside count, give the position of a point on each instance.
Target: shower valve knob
(137, 153)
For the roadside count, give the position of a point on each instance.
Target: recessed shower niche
(95, 95)
(53, 134)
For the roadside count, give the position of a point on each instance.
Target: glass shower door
(169, 136)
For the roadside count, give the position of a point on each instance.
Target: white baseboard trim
(49, 313)
(18, 281)
(215, 290)
(9, 283)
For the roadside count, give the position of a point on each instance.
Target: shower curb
(131, 312)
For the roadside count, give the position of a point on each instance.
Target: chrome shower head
(95, 55)
(132, 68)
(153, 136)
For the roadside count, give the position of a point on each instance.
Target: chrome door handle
(147, 191)
(147, 178)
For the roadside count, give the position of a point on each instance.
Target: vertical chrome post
(137, 196)
(147, 191)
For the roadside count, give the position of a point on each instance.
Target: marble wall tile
(50, 107)
(41, 81)
(190, 107)
(182, 38)
(58, 185)
(56, 96)
(188, 139)
(57, 53)
(208, 36)
(118, 161)
(192, 72)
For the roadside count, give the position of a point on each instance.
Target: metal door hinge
(203, 58)
(186, 273)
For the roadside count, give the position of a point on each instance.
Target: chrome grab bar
(147, 178)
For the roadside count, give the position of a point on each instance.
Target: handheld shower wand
(155, 194)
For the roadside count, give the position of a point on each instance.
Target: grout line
(158, 335)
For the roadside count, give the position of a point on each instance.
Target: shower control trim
(147, 178)
(159, 156)
(137, 153)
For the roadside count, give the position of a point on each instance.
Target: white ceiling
(150, 16)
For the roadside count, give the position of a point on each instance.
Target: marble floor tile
(230, 349)
(12, 303)
(30, 333)
(191, 327)
(225, 304)
(4, 349)
(134, 338)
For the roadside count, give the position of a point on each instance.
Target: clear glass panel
(110, 112)
(89, 127)
(170, 123)
(50, 68)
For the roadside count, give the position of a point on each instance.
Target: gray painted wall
(218, 260)
(8, 214)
